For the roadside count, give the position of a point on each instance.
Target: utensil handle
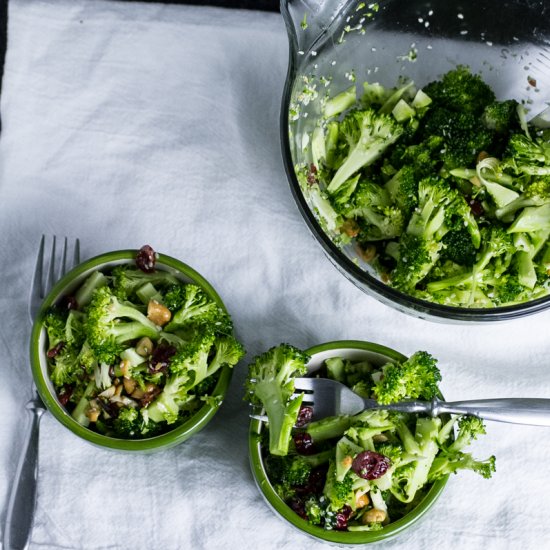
(20, 514)
(531, 411)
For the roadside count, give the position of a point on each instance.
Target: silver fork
(331, 398)
(63, 256)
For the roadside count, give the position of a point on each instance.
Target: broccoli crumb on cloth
(135, 352)
(358, 473)
(445, 191)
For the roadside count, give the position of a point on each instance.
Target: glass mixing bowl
(336, 43)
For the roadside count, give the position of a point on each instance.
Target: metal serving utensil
(332, 398)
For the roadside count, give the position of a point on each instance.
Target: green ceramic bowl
(67, 285)
(355, 350)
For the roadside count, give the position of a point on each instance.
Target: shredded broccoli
(450, 165)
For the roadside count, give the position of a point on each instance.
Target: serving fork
(64, 254)
(329, 397)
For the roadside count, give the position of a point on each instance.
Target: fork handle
(20, 514)
(530, 411)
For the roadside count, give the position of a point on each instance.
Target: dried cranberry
(476, 207)
(315, 483)
(69, 302)
(312, 175)
(110, 408)
(146, 259)
(149, 396)
(304, 443)
(160, 358)
(370, 465)
(341, 520)
(55, 350)
(65, 394)
(297, 505)
(304, 416)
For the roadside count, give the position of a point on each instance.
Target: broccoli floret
(403, 189)
(452, 457)
(501, 116)
(497, 243)
(66, 368)
(228, 352)
(424, 157)
(192, 357)
(528, 156)
(65, 338)
(537, 194)
(55, 323)
(464, 137)
(446, 463)
(507, 288)
(270, 383)
(174, 396)
(434, 194)
(367, 195)
(417, 257)
(192, 305)
(458, 247)
(292, 470)
(369, 134)
(338, 493)
(128, 422)
(380, 224)
(409, 478)
(462, 91)
(204, 355)
(469, 428)
(106, 328)
(126, 280)
(416, 377)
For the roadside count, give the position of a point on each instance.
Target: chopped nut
(144, 346)
(374, 515)
(362, 500)
(350, 228)
(482, 156)
(125, 367)
(109, 392)
(93, 412)
(138, 393)
(367, 252)
(475, 181)
(118, 389)
(129, 385)
(347, 461)
(379, 438)
(159, 314)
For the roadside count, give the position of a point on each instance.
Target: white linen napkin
(126, 124)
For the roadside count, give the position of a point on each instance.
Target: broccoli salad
(362, 472)
(134, 351)
(444, 190)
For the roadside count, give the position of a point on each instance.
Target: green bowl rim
(340, 537)
(164, 441)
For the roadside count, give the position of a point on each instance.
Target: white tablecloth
(126, 124)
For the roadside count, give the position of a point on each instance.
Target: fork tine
(51, 271)
(63, 263)
(303, 384)
(36, 288)
(76, 253)
(64, 255)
